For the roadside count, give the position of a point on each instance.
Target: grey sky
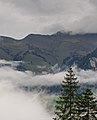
(21, 17)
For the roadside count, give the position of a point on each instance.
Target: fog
(28, 78)
(18, 104)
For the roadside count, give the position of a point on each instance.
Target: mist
(18, 104)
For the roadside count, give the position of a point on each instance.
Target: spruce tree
(66, 107)
(88, 106)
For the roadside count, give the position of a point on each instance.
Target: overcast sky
(21, 17)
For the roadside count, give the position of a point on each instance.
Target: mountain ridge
(46, 50)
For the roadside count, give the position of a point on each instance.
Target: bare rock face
(93, 62)
(89, 61)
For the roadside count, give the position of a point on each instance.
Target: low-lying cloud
(28, 78)
(18, 104)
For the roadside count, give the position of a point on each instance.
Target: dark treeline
(72, 105)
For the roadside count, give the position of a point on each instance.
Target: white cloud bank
(16, 104)
(18, 78)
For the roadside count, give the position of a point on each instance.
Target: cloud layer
(17, 104)
(20, 17)
(17, 78)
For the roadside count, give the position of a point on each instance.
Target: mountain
(86, 62)
(41, 52)
(89, 61)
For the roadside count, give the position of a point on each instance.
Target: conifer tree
(88, 106)
(66, 107)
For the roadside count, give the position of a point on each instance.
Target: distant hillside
(89, 61)
(40, 52)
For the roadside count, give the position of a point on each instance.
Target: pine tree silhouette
(66, 105)
(88, 106)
